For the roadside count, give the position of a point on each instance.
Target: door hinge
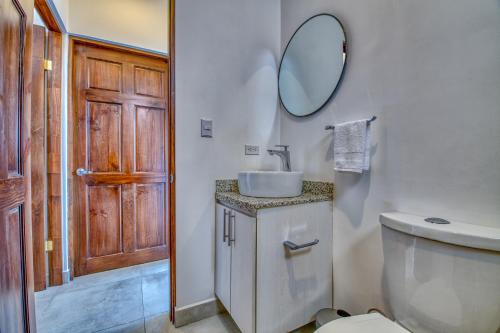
(171, 178)
(47, 64)
(49, 246)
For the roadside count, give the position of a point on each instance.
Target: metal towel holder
(331, 127)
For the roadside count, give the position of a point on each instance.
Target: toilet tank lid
(456, 233)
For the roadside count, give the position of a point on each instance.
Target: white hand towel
(351, 150)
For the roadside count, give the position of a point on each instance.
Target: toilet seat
(369, 323)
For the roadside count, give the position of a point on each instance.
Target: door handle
(225, 235)
(294, 247)
(232, 227)
(82, 172)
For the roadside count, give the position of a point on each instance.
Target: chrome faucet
(284, 155)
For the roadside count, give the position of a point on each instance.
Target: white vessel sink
(270, 184)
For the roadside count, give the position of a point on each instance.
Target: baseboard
(195, 312)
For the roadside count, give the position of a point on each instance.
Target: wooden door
(16, 272)
(243, 244)
(121, 144)
(222, 256)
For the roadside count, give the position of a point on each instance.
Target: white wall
(62, 7)
(227, 57)
(430, 71)
(141, 23)
(37, 19)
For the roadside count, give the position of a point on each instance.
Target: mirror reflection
(312, 65)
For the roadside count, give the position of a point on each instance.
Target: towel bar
(331, 127)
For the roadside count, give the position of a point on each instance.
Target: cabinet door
(222, 257)
(293, 285)
(243, 243)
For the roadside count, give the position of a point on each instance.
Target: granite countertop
(227, 193)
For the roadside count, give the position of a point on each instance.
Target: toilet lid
(369, 323)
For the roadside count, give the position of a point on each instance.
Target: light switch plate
(206, 128)
(252, 150)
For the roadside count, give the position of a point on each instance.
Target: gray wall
(430, 71)
(227, 58)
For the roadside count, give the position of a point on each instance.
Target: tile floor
(132, 299)
(217, 324)
(128, 300)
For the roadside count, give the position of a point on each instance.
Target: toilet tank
(441, 278)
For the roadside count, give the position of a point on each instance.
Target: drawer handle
(225, 235)
(294, 247)
(232, 227)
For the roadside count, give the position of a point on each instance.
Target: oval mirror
(312, 65)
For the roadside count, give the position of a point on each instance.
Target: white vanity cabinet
(235, 265)
(264, 285)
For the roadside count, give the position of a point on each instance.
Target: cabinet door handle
(294, 247)
(225, 234)
(232, 227)
(229, 231)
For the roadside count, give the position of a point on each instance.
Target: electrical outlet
(252, 150)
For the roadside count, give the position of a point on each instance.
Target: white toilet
(438, 278)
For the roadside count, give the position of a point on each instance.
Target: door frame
(39, 203)
(55, 25)
(173, 180)
(73, 209)
(52, 167)
(44, 8)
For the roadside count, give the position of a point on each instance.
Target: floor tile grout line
(130, 322)
(110, 328)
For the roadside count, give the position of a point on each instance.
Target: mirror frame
(334, 91)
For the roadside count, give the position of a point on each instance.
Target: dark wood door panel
(104, 75)
(150, 139)
(121, 104)
(150, 215)
(149, 82)
(12, 91)
(12, 308)
(16, 266)
(104, 137)
(105, 221)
